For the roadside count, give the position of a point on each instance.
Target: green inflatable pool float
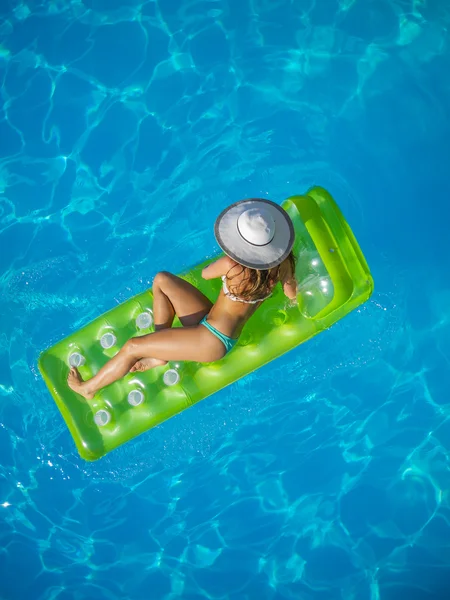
(333, 278)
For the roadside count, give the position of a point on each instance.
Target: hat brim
(255, 257)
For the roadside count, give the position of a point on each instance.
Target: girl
(257, 237)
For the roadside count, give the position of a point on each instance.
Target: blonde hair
(259, 283)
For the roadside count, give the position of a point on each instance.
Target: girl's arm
(218, 268)
(288, 281)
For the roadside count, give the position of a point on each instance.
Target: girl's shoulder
(218, 268)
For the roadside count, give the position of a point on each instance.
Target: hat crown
(256, 226)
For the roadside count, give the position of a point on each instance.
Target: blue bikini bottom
(228, 342)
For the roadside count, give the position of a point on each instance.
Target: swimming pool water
(125, 128)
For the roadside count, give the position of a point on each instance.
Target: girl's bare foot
(76, 384)
(147, 363)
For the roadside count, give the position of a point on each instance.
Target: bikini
(231, 296)
(229, 342)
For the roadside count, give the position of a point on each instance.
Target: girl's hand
(292, 302)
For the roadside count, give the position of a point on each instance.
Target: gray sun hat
(256, 233)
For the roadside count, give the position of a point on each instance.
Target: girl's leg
(193, 343)
(174, 296)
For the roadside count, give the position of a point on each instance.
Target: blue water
(125, 127)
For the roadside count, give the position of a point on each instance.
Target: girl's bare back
(230, 316)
